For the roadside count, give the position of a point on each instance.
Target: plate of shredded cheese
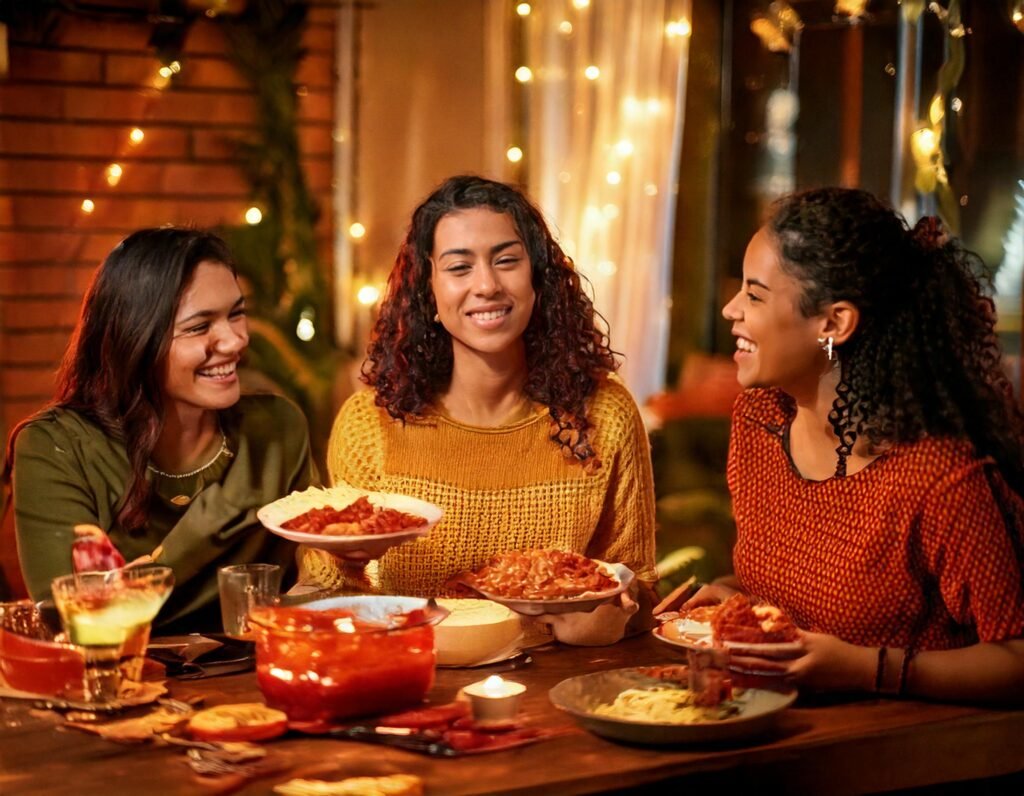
(653, 705)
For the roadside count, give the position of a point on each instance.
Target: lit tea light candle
(494, 699)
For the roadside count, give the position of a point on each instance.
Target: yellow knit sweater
(503, 488)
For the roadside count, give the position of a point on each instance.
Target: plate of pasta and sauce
(653, 705)
(547, 581)
(345, 521)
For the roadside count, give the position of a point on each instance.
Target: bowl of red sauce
(342, 657)
(31, 660)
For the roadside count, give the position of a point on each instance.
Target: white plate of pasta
(547, 581)
(652, 705)
(345, 520)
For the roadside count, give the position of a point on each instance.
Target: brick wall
(66, 110)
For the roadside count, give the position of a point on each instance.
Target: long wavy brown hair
(925, 358)
(409, 359)
(112, 369)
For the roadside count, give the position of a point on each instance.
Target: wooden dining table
(833, 746)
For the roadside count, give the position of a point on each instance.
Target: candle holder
(494, 700)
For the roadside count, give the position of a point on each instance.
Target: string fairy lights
(115, 170)
(634, 110)
(597, 121)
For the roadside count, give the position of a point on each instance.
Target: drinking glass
(108, 615)
(242, 588)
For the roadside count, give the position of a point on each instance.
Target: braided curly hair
(409, 359)
(924, 359)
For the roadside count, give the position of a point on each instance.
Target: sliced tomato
(249, 721)
(423, 718)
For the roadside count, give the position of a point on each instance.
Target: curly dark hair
(924, 359)
(409, 359)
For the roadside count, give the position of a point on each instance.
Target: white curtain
(604, 125)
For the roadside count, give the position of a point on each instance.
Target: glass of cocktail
(108, 615)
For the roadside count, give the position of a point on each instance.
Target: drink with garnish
(108, 615)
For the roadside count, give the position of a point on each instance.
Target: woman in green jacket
(149, 437)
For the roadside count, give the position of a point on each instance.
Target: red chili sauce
(327, 665)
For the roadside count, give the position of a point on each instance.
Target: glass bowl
(341, 657)
(30, 660)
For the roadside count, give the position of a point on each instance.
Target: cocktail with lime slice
(108, 614)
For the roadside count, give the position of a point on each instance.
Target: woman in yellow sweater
(494, 397)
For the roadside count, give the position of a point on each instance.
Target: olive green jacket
(68, 471)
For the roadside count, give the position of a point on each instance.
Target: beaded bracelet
(880, 669)
(908, 656)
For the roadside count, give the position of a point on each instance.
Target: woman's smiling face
(209, 335)
(776, 345)
(482, 281)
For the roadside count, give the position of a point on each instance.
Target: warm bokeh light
(523, 9)
(924, 143)
(136, 136)
(624, 147)
(524, 74)
(592, 72)
(356, 230)
(164, 72)
(581, 3)
(851, 8)
(174, 66)
(565, 27)
(514, 154)
(606, 268)
(678, 28)
(305, 330)
(253, 215)
(88, 205)
(368, 295)
(613, 178)
(114, 172)
(956, 104)
(651, 189)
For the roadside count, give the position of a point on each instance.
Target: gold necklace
(184, 500)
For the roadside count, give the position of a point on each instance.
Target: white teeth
(491, 316)
(746, 345)
(218, 372)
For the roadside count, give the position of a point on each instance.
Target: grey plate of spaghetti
(652, 705)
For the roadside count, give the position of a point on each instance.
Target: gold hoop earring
(826, 344)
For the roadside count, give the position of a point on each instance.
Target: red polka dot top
(921, 548)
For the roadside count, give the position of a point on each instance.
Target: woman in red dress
(875, 462)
